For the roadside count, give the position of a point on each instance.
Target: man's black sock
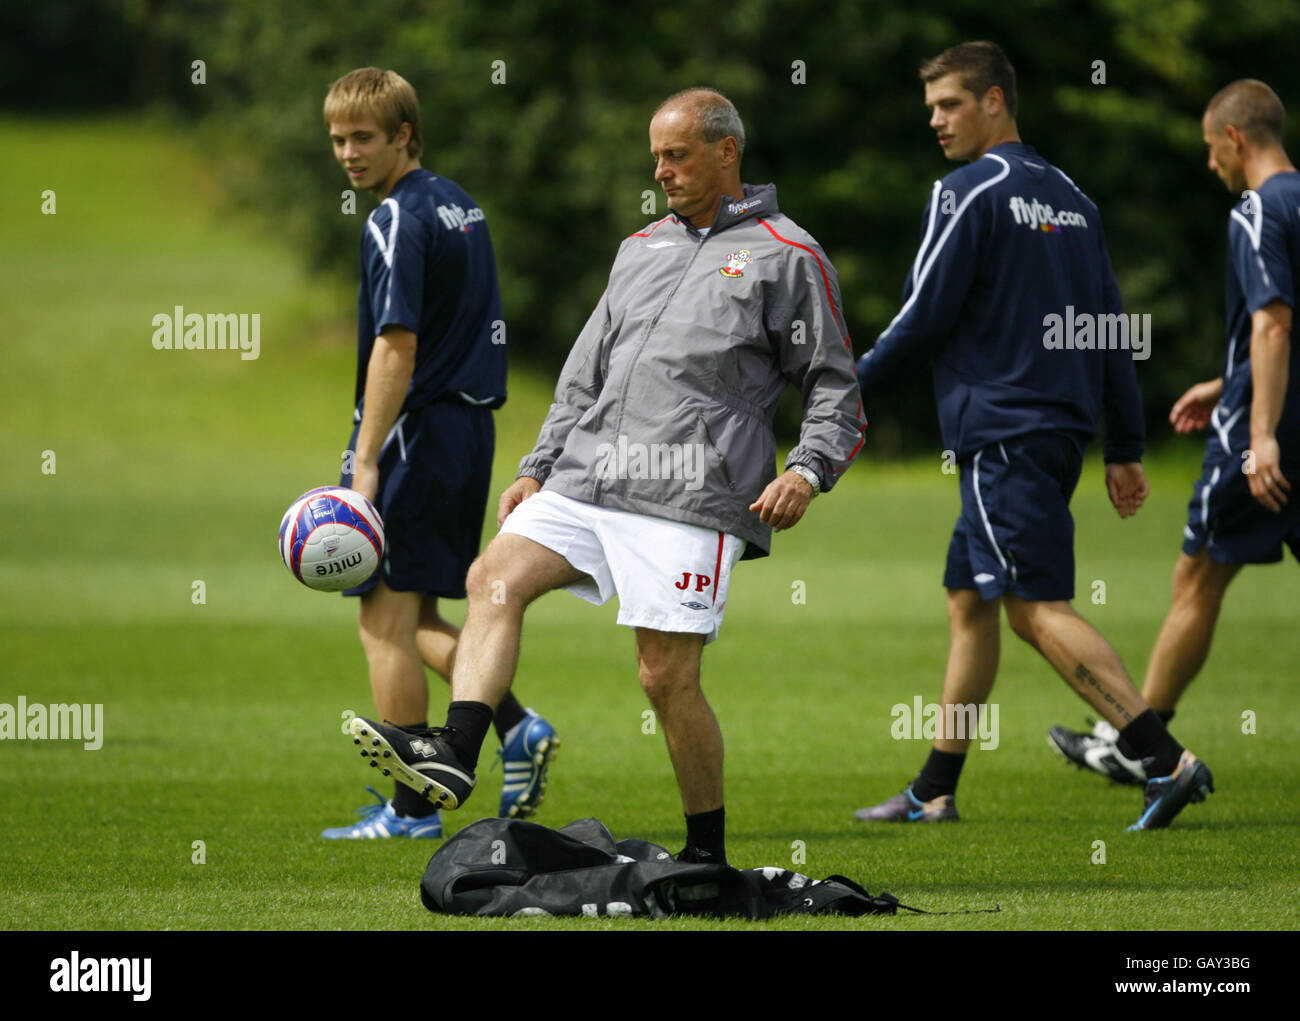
(1127, 750)
(509, 713)
(707, 832)
(406, 802)
(1148, 738)
(469, 722)
(939, 775)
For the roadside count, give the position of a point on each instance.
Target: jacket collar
(756, 200)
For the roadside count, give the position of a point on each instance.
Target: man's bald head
(1250, 106)
(696, 141)
(712, 113)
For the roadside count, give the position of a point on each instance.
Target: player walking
(1239, 512)
(1009, 243)
(653, 473)
(431, 366)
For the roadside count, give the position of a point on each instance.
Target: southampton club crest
(736, 263)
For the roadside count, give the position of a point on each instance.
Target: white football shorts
(668, 576)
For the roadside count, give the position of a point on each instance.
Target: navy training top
(1013, 299)
(427, 264)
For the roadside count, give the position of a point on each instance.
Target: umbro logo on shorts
(692, 605)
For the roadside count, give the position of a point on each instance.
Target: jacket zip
(645, 338)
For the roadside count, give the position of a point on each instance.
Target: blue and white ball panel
(291, 515)
(286, 527)
(331, 538)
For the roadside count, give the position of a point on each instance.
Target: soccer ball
(331, 538)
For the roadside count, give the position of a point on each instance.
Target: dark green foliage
(558, 154)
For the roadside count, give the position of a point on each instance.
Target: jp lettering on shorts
(668, 576)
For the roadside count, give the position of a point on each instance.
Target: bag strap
(886, 903)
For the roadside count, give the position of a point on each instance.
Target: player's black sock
(509, 713)
(1148, 738)
(469, 722)
(939, 775)
(706, 838)
(406, 802)
(1127, 750)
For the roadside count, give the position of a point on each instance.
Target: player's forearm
(831, 434)
(388, 377)
(1122, 407)
(1270, 353)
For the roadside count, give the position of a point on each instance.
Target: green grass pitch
(222, 718)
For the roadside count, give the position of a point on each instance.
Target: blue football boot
(525, 754)
(379, 820)
(1166, 796)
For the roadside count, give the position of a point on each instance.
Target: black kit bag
(508, 867)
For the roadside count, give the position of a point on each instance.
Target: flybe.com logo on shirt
(455, 218)
(1037, 216)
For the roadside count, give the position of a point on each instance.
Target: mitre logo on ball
(331, 538)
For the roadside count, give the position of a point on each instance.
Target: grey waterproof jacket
(665, 404)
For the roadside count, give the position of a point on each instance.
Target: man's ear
(994, 102)
(1236, 136)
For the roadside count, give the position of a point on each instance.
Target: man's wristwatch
(808, 475)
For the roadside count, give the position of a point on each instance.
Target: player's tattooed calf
(1085, 677)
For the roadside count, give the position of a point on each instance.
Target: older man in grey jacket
(655, 468)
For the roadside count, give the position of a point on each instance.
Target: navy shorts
(1016, 532)
(1228, 523)
(435, 469)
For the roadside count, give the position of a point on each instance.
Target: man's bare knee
(498, 579)
(966, 608)
(1028, 617)
(1018, 619)
(652, 683)
(387, 616)
(513, 571)
(669, 664)
(479, 580)
(1201, 581)
(653, 674)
